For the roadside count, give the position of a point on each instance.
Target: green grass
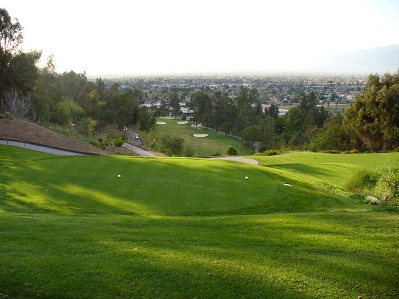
(203, 147)
(192, 228)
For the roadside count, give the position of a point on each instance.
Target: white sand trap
(201, 135)
(182, 122)
(161, 123)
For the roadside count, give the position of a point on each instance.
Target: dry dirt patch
(33, 133)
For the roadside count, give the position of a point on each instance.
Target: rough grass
(191, 228)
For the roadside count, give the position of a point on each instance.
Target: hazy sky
(200, 36)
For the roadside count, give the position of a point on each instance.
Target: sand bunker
(182, 122)
(161, 123)
(200, 135)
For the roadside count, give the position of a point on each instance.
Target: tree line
(43, 95)
(70, 99)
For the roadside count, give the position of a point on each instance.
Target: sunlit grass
(192, 228)
(213, 144)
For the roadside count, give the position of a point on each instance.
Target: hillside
(34, 133)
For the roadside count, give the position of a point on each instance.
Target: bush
(86, 126)
(7, 115)
(124, 137)
(118, 142)
(387, 186)
(189, 151)
(331, 152)
(172, 143)
(231, 151)
(268, 153)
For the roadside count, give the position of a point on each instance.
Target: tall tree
(251, 135)
(199, 101)
(18, 70)
(374, 117)
(93, 105)
(272, 110)
(174, 102)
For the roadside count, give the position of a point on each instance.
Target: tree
(174, 102)
(10, 40)
(43, 90)
(250, 135)
(225, 127)
(93, 105)
(374, 117)
(199, 101)
(76, 87)
(172, 144)
(18, 70)
(10, 32)
(221, 109)
(268, 132)
(244, 98)
(23, 71)
(17, 104)
(67, 112)
(272, 111)
(146, 122)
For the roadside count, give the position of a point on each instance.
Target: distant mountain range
(376, 60)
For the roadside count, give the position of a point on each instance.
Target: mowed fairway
(192, 228)
(214, 143)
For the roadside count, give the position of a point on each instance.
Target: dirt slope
(30, 132)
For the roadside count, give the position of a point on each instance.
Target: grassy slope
(214, 143)
(191, 228)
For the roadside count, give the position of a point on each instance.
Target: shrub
(8, 115)
(172, 143)
(331, 152)
(86, 126)
(169, 152)
(268, 153)
(387, 186)
(124, 137)
(231, 151)
(189, 151)
(118, 142)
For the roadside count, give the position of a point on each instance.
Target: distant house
(187, 112)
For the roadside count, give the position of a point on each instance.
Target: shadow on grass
(266, 256)
(159, 187)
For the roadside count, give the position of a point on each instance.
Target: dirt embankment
(31, 132)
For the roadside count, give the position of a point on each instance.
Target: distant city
(281, 90)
